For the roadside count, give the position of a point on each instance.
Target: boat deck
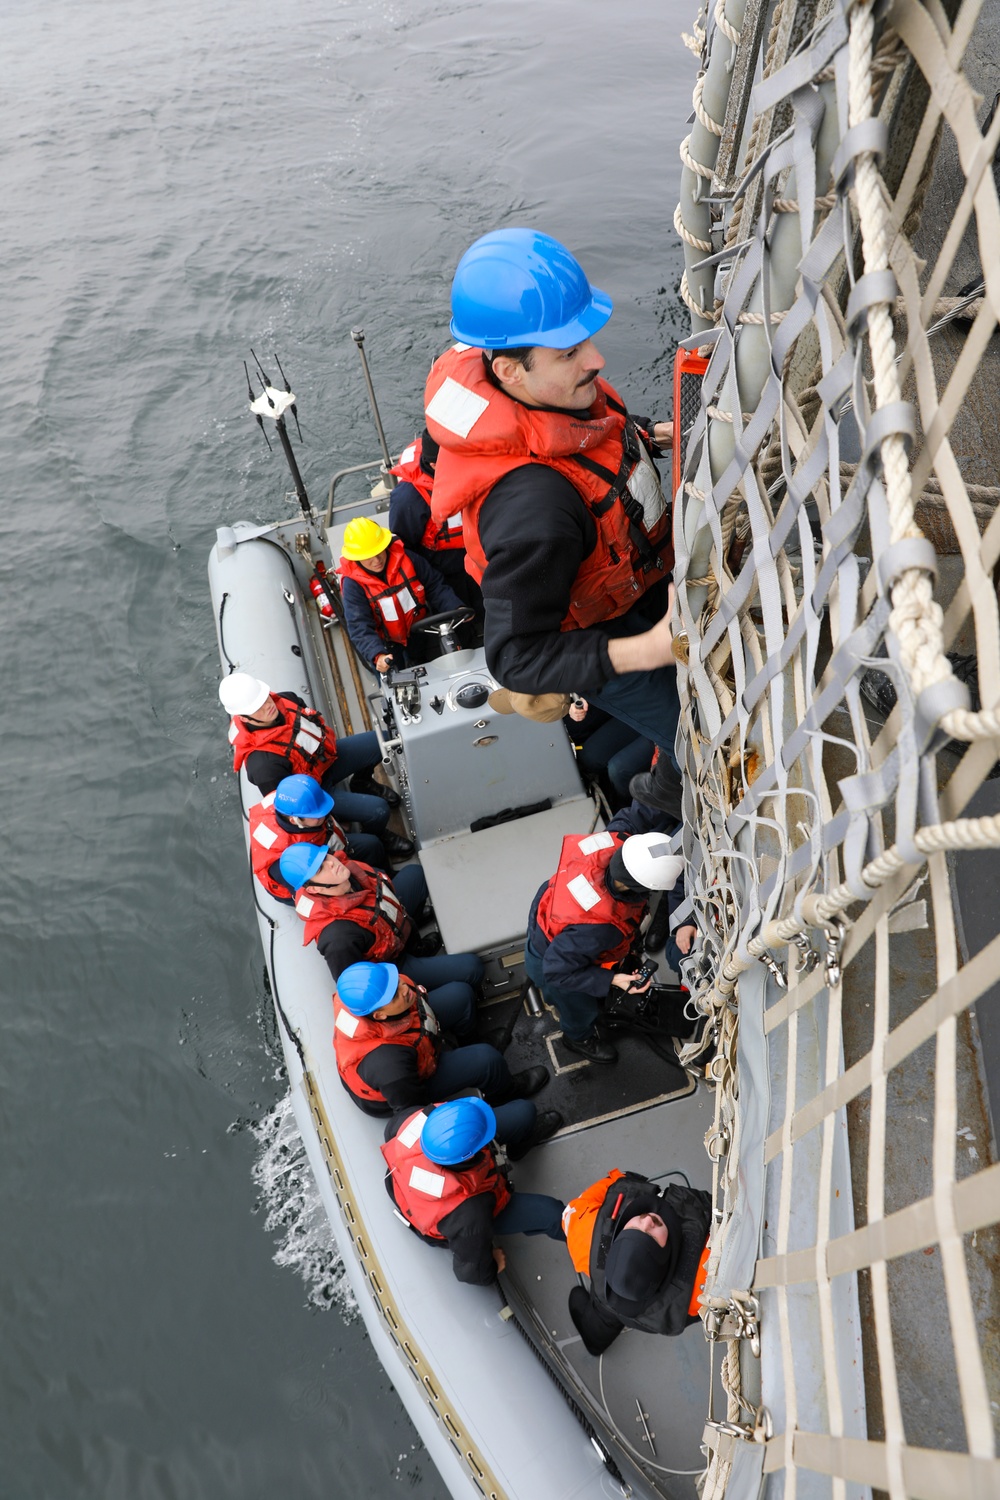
(653, 1392)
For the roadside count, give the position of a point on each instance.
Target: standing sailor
(446, 1181)
(565, 523)
(645, 1250)
(438, 542)
(584, 925)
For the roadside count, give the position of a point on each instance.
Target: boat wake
(295, 1211)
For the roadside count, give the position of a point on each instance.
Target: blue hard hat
(457, 1130)
(300, 862)
(518, 287)
(365, 987)
(302, 797)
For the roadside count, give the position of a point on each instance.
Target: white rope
(697, 167)
(743, 592)
(916, 618)
(710, 124)
(687, 236)
(723, 24)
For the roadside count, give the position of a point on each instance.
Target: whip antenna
(358, 335)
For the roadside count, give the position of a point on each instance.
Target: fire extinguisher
(318, 590)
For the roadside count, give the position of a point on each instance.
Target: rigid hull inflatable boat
(495, 1379)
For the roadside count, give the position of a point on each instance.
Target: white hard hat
(648, 859)
(242, 694)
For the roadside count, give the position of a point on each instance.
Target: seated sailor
(386, 591)
(439, 543)
(645, 1250)
(300, 812)
(445, 1180)
(275, 735)
(352, 912)
(391, 1054)
(584, 924)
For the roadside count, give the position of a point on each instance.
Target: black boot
(660, 788)
(395, 846)
(364, 782)
(423, 947)
(597, 1328)
(592, 1047)
(546, 1125)
(521, 1085)
(529, 1081)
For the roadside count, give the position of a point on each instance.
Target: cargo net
(838, 541)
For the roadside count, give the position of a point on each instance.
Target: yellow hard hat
(364, 538)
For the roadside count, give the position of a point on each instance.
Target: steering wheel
(443, 626)
(443, 623)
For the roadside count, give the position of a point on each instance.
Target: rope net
(837, 571)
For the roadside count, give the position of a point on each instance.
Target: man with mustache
(564, 521)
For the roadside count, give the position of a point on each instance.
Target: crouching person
(645, 1250)
(445, 1180)
(391, 1055)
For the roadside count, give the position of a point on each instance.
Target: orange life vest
(579, 1218)
(355, 1036)
(700, 1282)
(577, 894)
(375, 907)
(424, 1192)
(439, 536)
(268, 841)
(484, 434)
(396, 597)
(578, 1221)
(409, 471)
(297, 733)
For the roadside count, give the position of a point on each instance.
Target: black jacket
(265, 769)
(688, 1214)
(468, 1229)
(536, 531)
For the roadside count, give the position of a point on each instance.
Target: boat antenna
(260, 419)
(273, 403)
(293, 408)
(358, 335)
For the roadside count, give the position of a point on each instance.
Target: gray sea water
(180, 183)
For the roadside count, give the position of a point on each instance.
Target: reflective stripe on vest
(426, 1193)
(577, 894)
(355, 1037)
(431, 1183)
(484, 434)
(298, 734)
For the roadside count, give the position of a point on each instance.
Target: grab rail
(372, 464)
